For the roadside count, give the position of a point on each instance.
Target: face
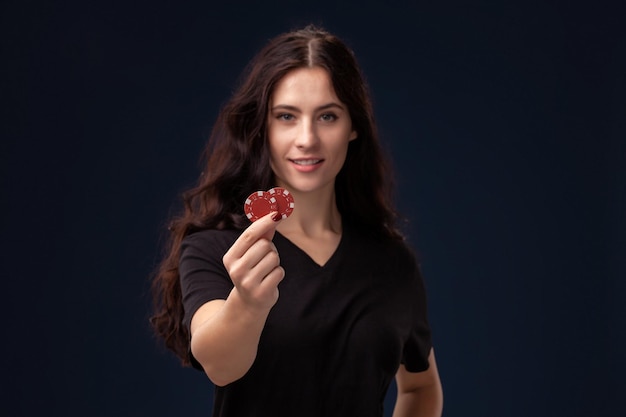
(309, 130)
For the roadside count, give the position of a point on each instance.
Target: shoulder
(402, 254)
(210, 241)
(395, 247)
(396, 252)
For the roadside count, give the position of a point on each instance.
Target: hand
(254, 266)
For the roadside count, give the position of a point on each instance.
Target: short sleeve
(203, 277)
(419, 343)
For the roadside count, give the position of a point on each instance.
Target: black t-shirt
(336, 336)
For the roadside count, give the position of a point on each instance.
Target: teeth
(307, 161)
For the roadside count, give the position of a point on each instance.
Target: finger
(273, 278)
(265, 265)
(240, 267)
(262, 228)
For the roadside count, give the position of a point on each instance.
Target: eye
(285, 117)
(328, 117)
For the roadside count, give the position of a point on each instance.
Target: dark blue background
(506, 122)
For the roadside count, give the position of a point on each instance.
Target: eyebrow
(296, 109)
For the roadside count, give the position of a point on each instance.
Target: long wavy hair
(237, 161)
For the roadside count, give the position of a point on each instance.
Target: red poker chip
(284, 201)
(259, 204)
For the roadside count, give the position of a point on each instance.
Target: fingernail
(276, 217)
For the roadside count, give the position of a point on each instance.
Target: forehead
(304, 84)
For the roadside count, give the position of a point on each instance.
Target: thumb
(265, 227)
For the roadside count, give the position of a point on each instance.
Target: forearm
(226, 343)
(425, 401)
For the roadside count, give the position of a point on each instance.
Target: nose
(307, 135)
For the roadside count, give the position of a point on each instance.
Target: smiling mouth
(306, 161)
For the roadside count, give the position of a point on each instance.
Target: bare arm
(420, 393)
(225, 333)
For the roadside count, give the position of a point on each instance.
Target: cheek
(274, 153)
(278, 143)
(271, 144)
(341, 145)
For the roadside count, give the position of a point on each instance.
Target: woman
(311, 315)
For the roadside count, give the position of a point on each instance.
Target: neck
(314, 214)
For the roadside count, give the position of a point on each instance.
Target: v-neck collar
(330, 262)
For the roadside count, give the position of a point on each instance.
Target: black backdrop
(506, 122)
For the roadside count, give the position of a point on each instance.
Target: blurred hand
(254, 265)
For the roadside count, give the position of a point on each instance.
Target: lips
(306, 165)
(305, 162)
